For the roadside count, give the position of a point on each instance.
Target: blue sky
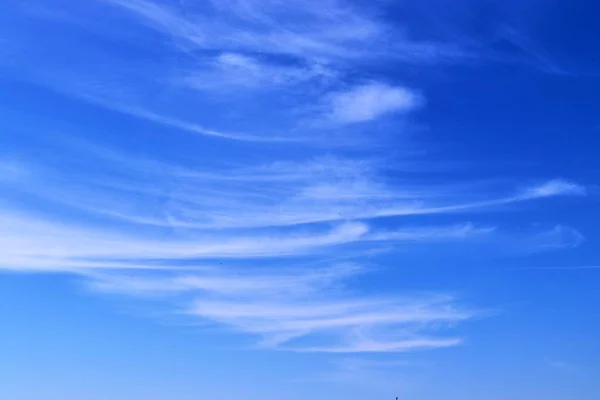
(268, 199)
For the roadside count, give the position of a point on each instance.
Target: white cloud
(318, 29)
(230, 70)
(462, 231)
(556, 187)
(32, 244)
(387, 347)
(371, 101)
(311, 30)
(258, 44)
(558, 237)
(300, 310)
(116, 104)
(274, 194)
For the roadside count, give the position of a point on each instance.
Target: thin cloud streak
(139, 112)
(318, 30)
(387, 347)
(29, 244)
(229, 72)
(319, 191)
(284, 310)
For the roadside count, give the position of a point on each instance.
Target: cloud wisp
(371, 101)
(229, 72)
(268, 195)
(33, 244)
(307, 311)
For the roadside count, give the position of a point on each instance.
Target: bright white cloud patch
(371, 101)
(557, 187)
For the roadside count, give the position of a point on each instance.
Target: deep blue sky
(267, 199)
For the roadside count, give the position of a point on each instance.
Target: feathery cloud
(32, 244)
(268, 195)
(229, 71)
(298, 311)
(556, 187)
(371, 101)
(558, 237)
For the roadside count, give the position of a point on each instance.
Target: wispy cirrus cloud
(234, 71)
(280, 194)
(32, 243)
(371, 101)
(223, 46)
(300, 311)
(558, 237)
(249, 44)
(554, 187)
(311, 30)
(36, 239)
(255, 185)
